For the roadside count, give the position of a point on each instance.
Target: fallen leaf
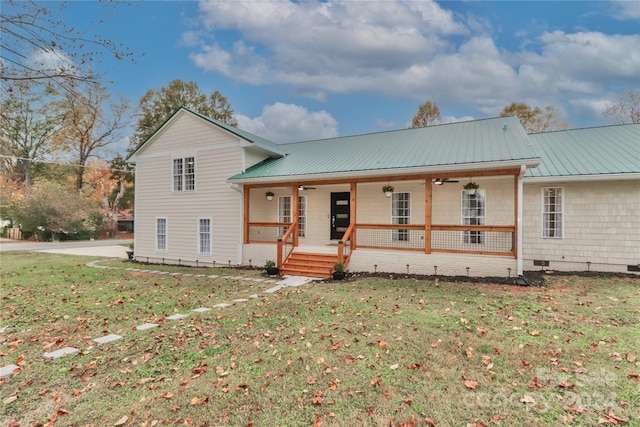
(534, 333)
(527, 399)
(9, 399)
(122, 421)
(394, 366)
(630, 357)
(196, 401)
(471, 384)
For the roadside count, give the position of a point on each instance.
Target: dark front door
(340, 210)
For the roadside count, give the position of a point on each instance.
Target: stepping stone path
(289, 281)
(60, 353)
(8, 370)
(146, 326)
(176, 317)
(107, 338)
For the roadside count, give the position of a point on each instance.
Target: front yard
(374, 351)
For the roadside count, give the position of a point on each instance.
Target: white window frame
(208, 234)
(183, 173)
(470, 218)
(550, 214)
(396, 218)
(284, 214)
(166, 234)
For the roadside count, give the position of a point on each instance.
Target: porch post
(518, 212)
(428, 199)
(352, 213)
(295, 213)
(246, 193)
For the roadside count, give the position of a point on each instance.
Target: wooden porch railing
(286, 244)
(344, 246)
(473, 239)
(265, 232)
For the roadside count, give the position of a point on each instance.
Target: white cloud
(626, 9)
(413, 50)
(289, 123)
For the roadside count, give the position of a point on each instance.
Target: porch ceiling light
(438, 181)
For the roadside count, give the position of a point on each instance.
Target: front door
(340, 211)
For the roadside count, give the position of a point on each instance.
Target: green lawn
(367, 352)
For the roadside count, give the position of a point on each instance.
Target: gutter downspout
(519, 263)
(239, 252)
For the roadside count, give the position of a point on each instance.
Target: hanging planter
(387, 190)
(269, 195)
(471, 187)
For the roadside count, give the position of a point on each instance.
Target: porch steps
(309, 264)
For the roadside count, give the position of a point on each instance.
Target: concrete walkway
(102, 248)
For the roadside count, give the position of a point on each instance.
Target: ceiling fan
(304, 187)
(440, 181)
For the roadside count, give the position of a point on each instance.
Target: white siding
(601, 223)
(218, 156)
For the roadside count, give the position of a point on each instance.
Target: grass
(368, 352)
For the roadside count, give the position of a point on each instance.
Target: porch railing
(267, 232)
(475, 239)
(344, 246)
(286, 244)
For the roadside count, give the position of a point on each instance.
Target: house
(210, 194)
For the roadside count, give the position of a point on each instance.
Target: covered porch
(429, 220)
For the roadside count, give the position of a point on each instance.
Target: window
(400, 214)
(284, 214)
(204, 236)
(473, 213)
(184, 174)
(161, 234)
(552, 213)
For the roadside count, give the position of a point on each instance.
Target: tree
(36, 46)
(92, 122)
(534, 120)
(109, 182)
(626, 110)
(51, 208)
(157, 105)
(27, 124)
(428, 114)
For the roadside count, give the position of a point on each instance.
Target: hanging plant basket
(269, 195)
(471, 187)
(387, 190)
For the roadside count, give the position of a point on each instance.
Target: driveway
(105, 248)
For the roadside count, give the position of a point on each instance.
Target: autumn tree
(626, 110)
(157, 105)
(27, 124)
(51, 208)
(534, 120)
(428, 115)
(92, 122)
(110, 183)
(35, 45)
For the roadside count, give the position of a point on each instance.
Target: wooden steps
(309, 264)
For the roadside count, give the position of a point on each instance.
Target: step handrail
(282, 241)
(346, 238)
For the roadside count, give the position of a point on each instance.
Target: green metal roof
(258, 141)
(590, 151)
(487, 141)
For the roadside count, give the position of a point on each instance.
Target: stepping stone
(176, 274)
(213, 276)
(254, 296)
(275, 289)
(176, 317)
(187, 275)
(7, 371)
(107, 338)
(59, 353)
(240, 300)
(201, 309)
(222, 305)
(246, 279)
(200, 275)
(259, 280)
(146, 326)
(295, 281)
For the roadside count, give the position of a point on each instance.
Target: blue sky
(306, 70)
